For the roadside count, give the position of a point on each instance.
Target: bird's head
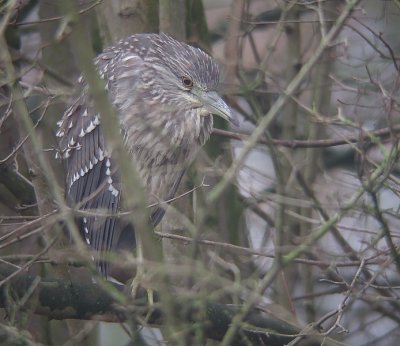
(189, 76)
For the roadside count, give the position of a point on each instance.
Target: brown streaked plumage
(164, 92)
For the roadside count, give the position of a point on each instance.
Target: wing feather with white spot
(92, 183)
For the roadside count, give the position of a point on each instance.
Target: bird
(165, 95)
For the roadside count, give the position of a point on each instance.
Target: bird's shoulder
(121, 67)
(127, 54)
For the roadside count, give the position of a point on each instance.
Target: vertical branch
(169, 12)
(321, 89)
(321, 102)
(232, 42)
(293, 65)
(286, 226)
(121, 18)
(229, 223)
(196, 24)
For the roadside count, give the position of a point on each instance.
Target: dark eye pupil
(187, 82)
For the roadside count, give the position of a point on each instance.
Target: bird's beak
(214, 104)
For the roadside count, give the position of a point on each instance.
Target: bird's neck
(168, 132)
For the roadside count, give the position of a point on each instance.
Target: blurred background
(314, 191)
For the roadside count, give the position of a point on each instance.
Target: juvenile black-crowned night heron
(164, 92)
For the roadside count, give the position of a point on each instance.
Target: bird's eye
(187, 82)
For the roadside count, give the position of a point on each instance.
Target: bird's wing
(92, 181)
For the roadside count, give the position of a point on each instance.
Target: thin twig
(27, 264)
(321, 143)
(22, 142)
(247, 251)
(53, 19)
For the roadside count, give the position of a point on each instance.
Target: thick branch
(72, 300)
